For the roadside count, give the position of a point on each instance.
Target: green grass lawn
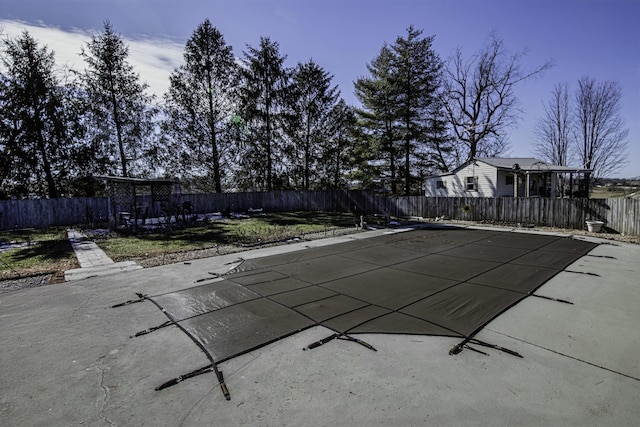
(248, 231)
(42, 251)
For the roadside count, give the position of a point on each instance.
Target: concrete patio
(68, 359)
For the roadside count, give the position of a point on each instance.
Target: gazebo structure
(135, 199)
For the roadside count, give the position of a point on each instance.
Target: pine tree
(264, 90)
(121, 112)
(200, 105)
(378, 116)
(416, 72)
(338, 152)
(312, 100)
(33, 131)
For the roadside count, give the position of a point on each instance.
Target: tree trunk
(52, 189)
(214, 143)
(268, 144)
(307, 156)
(116, 120)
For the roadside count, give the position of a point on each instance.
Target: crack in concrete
(105, 389)
(247, 363)
(195, 405)
(566, 355)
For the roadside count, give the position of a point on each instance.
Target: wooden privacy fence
(355, 201)
(619, 215)
(40, 213)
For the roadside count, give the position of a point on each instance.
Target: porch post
(571, 185)
(554, 184)
(587, 177)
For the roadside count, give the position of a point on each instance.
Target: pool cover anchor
(323, 341)
(204, 370)
(456, 349)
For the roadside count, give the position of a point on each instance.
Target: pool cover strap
(141, 297)
(340, 336)
(206, 369)
(155, 328)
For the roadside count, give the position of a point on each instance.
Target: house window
(509, 180)
(441, 184)
(472, 183)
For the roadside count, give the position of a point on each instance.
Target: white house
(501, 177)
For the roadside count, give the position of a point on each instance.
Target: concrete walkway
(67, 359)
(93, 261)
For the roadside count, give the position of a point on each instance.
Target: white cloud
(153, 59)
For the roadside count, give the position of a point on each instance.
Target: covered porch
(544, 180)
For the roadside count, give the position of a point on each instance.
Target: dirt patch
(25, 282)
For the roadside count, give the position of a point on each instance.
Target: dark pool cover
(443, 281)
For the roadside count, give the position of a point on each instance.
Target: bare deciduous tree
(554, 129)
(600, 130)
(480, 99)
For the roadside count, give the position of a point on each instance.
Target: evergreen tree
(416, 72)
(120, 110)
(200, 105)
(378, 117)
(264, 90)
(33, 135)
(312, 100)
(338, 152)
(402, 112)
(438, 152)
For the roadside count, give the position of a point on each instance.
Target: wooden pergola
(139, 198)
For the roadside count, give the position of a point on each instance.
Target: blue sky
(595, 38)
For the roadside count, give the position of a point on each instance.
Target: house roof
(525, 164)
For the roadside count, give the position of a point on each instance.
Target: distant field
(610, 192)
